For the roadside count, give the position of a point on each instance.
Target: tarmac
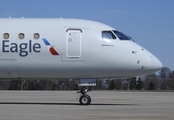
(105, 105)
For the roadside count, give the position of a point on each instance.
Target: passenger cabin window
(108, 35)
(6, 36)
(21, 36)
(36, 36)
(121, 36)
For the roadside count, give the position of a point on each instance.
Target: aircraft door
(73, 43)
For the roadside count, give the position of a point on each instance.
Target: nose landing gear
(84, 99)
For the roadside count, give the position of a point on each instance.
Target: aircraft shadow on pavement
(37, 103)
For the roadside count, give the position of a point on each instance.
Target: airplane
(52, 48)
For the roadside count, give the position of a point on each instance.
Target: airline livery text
(22, 48)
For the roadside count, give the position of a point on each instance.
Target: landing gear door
(87, 82)
(73, 43)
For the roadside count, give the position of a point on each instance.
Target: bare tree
(4, 84)
(133, 83)
(101, 84)
(126, 84)
(111, 85)
(151, 82)
(139, 85)
(118, 84)
(171, 81)
(164, 75)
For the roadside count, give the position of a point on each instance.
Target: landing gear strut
(84, 99)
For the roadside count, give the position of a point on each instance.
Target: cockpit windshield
(121, 36)
(108, 35)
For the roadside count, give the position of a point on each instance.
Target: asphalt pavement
(105, 105)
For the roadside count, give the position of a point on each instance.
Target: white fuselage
(68, 48)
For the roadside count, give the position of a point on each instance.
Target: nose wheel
(84, 99)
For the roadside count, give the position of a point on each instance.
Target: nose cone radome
(156, 64)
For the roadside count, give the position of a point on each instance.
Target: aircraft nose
(156, 64)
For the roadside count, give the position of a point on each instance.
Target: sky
(149, 22)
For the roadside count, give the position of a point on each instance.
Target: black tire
(85, 100)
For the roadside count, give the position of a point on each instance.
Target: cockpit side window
(121, 36)
(108, 35)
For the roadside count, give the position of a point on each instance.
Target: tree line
(162, 80)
